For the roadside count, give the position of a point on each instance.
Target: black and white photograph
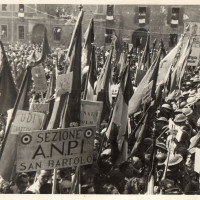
(99, 98)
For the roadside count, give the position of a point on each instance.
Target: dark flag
(8, 92)
(103, 88)
(45, 49)
(72, 102)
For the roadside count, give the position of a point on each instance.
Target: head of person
(22, 181)
(129, 170)
(65, 187)
(43, 176)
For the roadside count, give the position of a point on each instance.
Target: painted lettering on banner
(26, 121)
(58, 148)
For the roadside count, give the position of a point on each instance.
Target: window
(175, 16)
(21, 8)
(4, 31)
(4, 7)
(21, 32)
(142, 15)
(173, 40)
(110, 12)
(108, 36)
(57, 33)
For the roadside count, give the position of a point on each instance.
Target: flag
(8, 92)
(117, 129)
(66, 107)
(89, 39)
(144, 63)
(92, 77)
(167, 61)
(86, 53)
(153, 55)
(121, 66)
(179, 68)
(45, 49)
(150, 111)
(136, 99)
(103, 88)
(9, 145)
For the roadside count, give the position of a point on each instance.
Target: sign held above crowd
(58, 148)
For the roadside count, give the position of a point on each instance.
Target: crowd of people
(174, 166)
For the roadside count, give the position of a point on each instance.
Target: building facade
(131, 23)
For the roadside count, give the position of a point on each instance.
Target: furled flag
(86, 53)
(103, 88)
(8, 92)
(179, 68)
(117, 129)
(89, 91)
(45, 49)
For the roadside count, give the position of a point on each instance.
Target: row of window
(4, 7)
(142, 15)
(4, 32)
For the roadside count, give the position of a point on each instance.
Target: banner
(39, 79)
(54, 149)
(194, 32)
(25, 121)
(64, 83)
(91, 112)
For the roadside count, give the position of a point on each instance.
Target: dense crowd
(176, 150)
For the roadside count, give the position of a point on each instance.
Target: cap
(182, 104)
(174, 159)
(167, 106)
(187, 111)
(180, 118)
(178, 111)
(163, 119)
(191, 100)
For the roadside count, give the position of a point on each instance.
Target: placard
(64, 83)
(39, 79)
(54, 149)
(91, 112)
(114, 89)
(26, 121)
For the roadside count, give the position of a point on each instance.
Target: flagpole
(14, 109)
(54, 181)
